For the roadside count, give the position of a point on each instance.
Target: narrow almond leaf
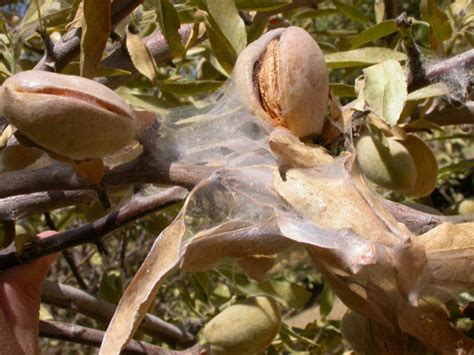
(141, 56)
(261, 5)
(227, 18)
(226, 31)
(168, 19)
(326, 300)
(379, 9)
(189, 87)
(385, 90)
(96, 27)
(141, 291)
(362, 57)
(373, 33)
(439, 21)
(351, 12)
(433, 90)
(221, 47)
(315, 13)
(343, 90)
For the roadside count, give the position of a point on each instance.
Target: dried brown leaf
(140, 293)
(96, 27)
(450, 253)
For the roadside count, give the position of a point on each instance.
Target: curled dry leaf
(270, 192)
(17, 156)
(450, 253)
(426, 166)
(140, 55)
(96, 22)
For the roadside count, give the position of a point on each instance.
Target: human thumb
(20, 294)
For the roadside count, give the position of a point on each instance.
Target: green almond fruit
(390, 167)
(426, 167)
(245, 328)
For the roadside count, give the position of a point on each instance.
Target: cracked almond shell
(282, 77)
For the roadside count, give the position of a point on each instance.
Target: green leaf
(261, 5)
(343, 90)
(439, 21)
(362, 57)
(141, 56)
(4, 72)
(187, 14)
(288, 293)
(189, 87)
(222, 48)
(326, 301)
(351, 12)
(373, 33)
(422, 125)
(315, 13)
(168, 19)
(226, 31)
(456, 168)
(433, 90)
(385, 90)
(96, 27)
(111, 286)
(227, 18)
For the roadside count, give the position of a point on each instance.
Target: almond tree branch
(450, 115)
(137, 207)
(17, 207)
(69, 46)
(71, 261)
(92, 337)
(420, 222)
(68, 256)
(59, 177)
(67, 297)
(461, 62)
(156, 44)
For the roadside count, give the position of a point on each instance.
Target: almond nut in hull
(391, 167)
(245, 328)
(283, 78)
(71, 116)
